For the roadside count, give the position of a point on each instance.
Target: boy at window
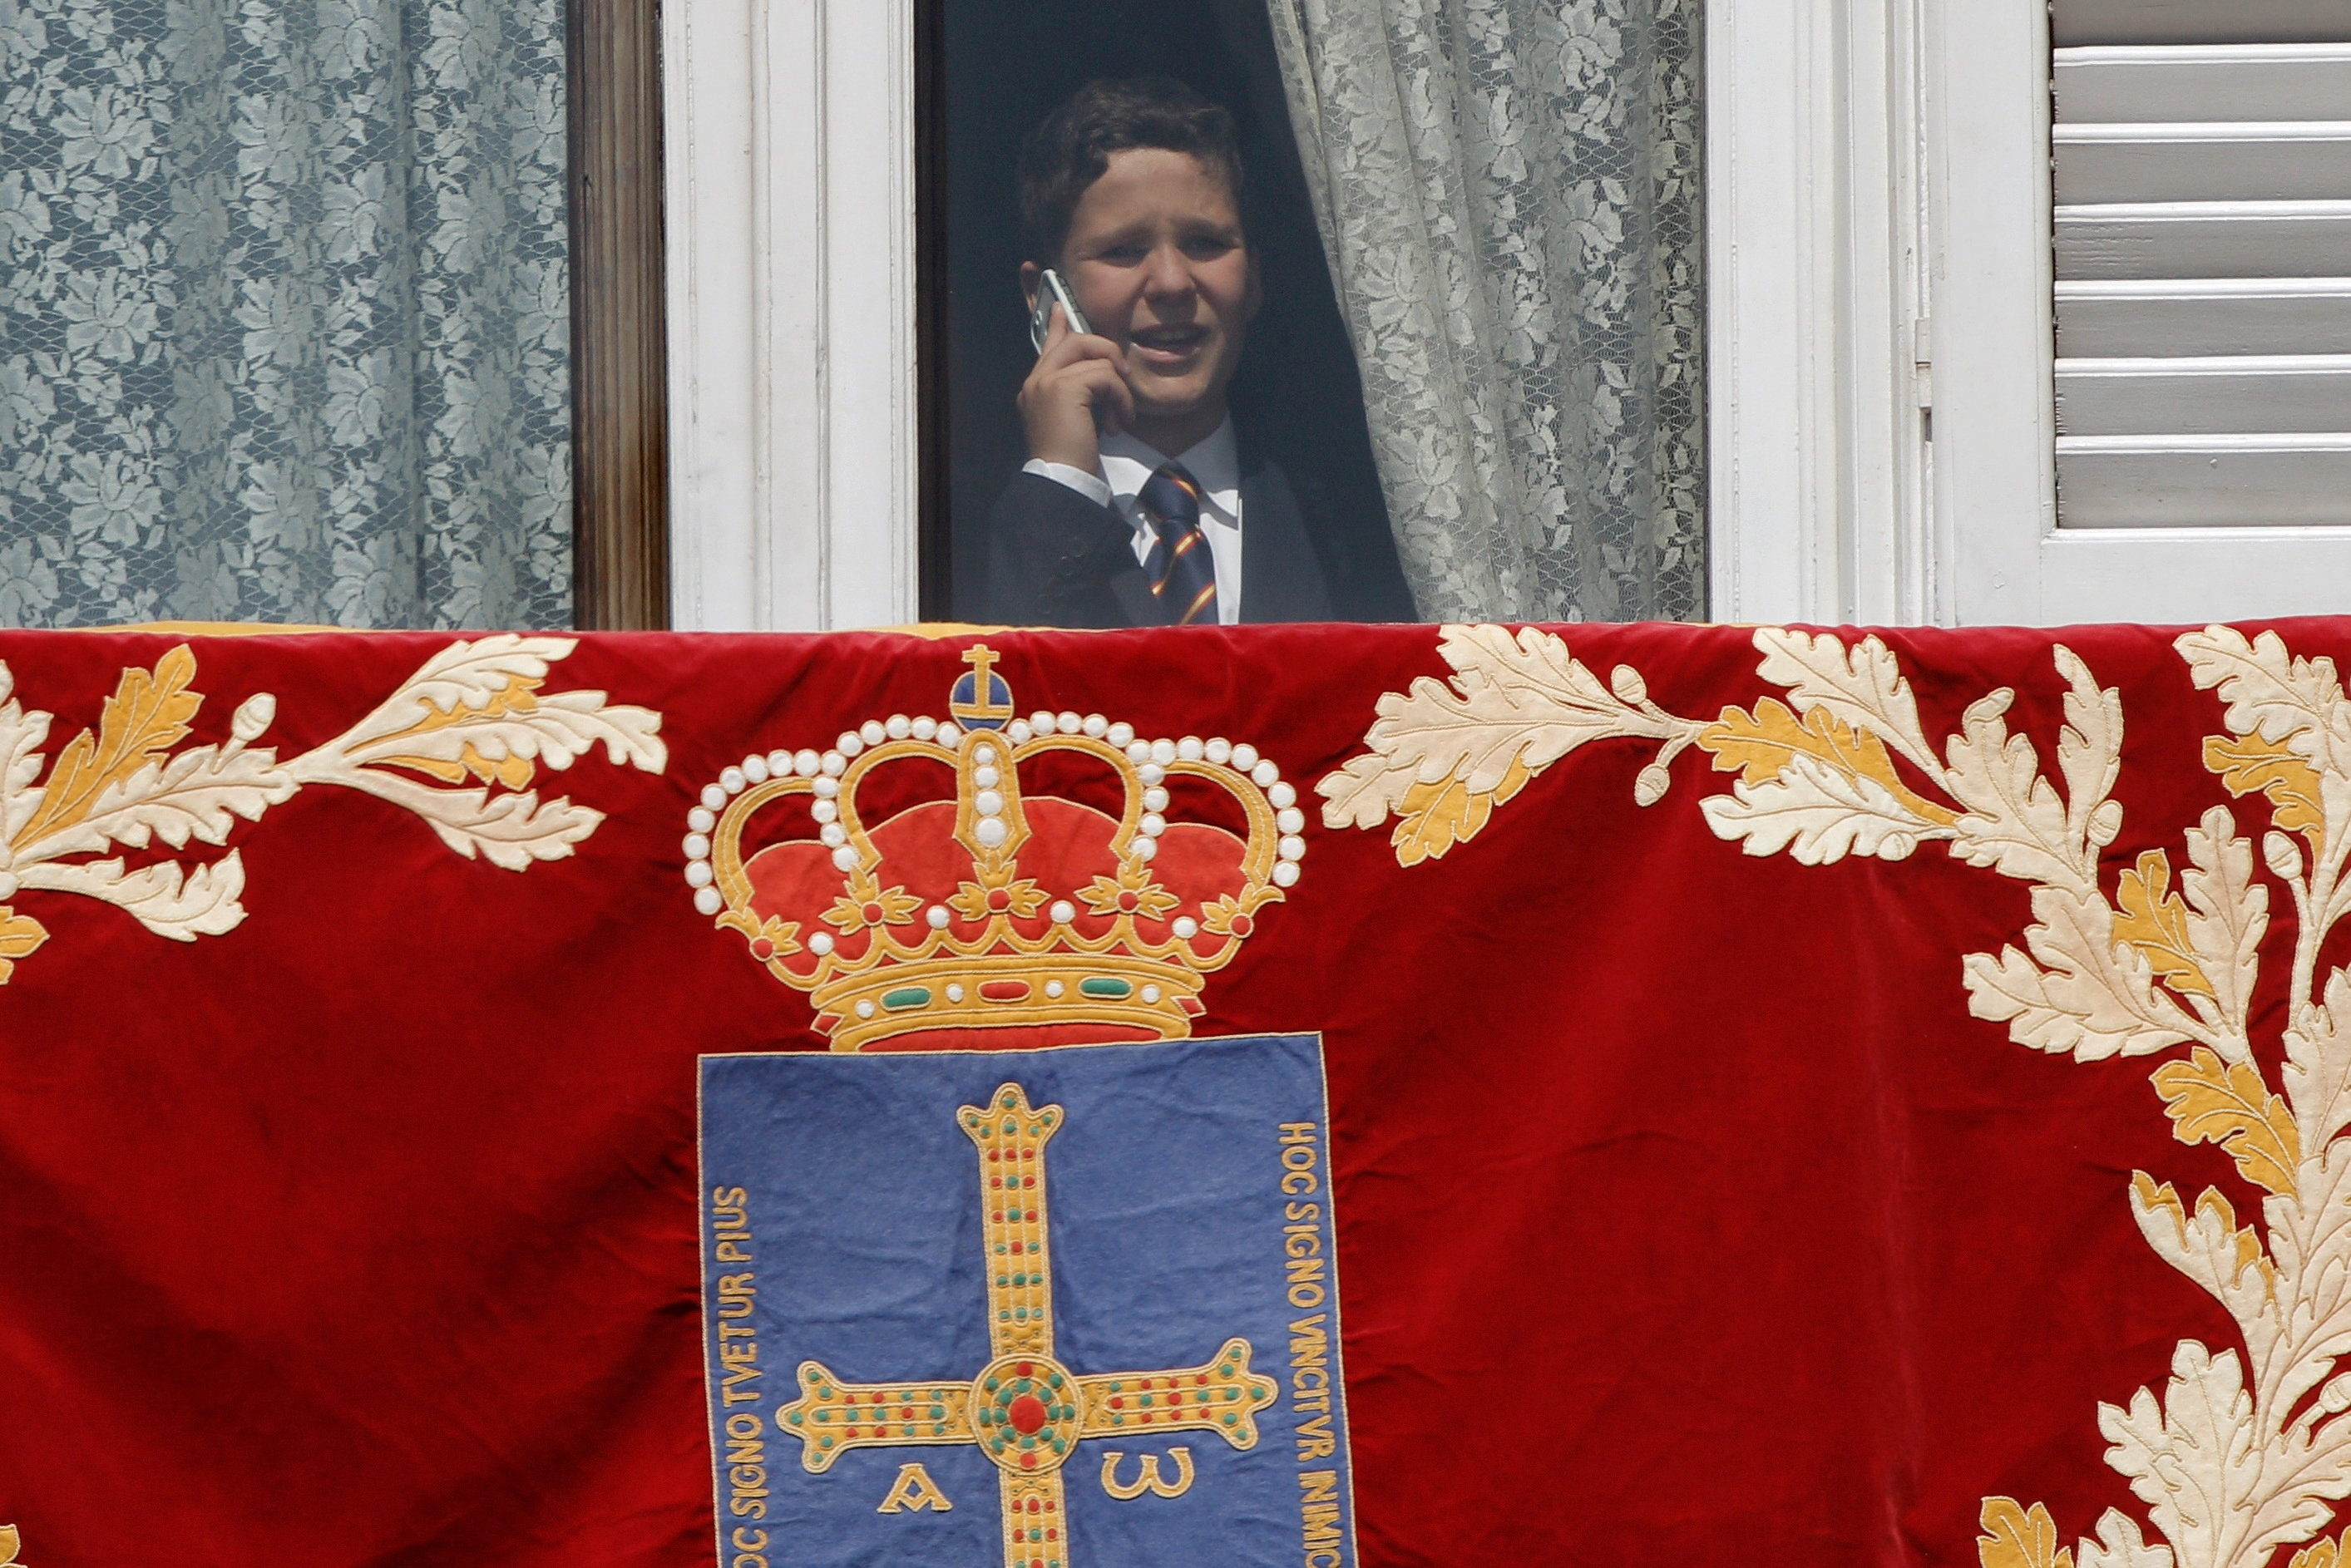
(1140, 504)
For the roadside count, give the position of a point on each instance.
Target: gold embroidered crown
(1057, 878)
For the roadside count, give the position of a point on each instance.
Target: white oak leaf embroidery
(1818, 815)
(1443, 754)
(2079, 994)
(2120, 1544)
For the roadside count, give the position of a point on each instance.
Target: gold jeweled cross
(1026, 1410)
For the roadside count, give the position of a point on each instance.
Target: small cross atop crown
(1047, 880)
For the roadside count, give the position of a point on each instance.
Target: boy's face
(1157, 261)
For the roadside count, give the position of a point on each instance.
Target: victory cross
(1025, 1410)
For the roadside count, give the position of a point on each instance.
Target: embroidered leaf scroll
(2015, 823)
(147, 716)
(475, 709)
(1863, 685)
(22, 735)
(2229, 914)
(171, 900)
(1443, 755)
(2191, 1457)
(478, 703)
(2242, 1454)
(2269, 692)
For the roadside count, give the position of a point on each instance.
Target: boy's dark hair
(1071, 148)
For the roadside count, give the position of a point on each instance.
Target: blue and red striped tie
(1182, 570)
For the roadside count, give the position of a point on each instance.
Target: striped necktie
(1183, 572)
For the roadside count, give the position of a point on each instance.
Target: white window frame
(1820, 362)
(789, 165)
(794, 440)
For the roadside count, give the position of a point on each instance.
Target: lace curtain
(1509, 197)
(284, 312)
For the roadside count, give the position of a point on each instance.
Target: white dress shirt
(1127, 464)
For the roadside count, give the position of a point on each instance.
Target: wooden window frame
(620, 440)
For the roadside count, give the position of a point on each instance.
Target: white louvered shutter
(2201, 236)
(2203, 246)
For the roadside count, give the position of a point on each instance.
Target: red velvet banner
(1794, 1096)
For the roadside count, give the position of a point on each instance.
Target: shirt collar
(1215, 462)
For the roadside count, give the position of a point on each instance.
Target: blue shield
(1067, 1308)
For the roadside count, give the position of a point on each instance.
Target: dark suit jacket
(1055, 558)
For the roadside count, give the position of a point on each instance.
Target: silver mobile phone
(1052, 289)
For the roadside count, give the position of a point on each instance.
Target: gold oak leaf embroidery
(2016, 1538)
(517, 696)
(19, 936)
(147, 716)
(1758, 747)
(2227, 1103)
(2248, 762)
(2154, 920)
(1437, 816)
(2323, 1555)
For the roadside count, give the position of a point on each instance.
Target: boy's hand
(1077, 394)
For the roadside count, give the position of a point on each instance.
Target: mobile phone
(1052, 289)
